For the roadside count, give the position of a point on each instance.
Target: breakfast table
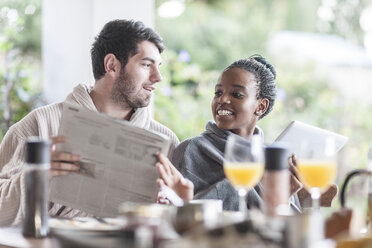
(12, 237)
(192, 226)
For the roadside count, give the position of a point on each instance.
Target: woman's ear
(263, 104)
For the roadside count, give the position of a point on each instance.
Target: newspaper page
(118, 162)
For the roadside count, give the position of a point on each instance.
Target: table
(240, 234)
(12, 237)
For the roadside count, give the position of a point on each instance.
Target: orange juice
(243, 174)
(317, 173)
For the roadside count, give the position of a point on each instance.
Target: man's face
(136, 82)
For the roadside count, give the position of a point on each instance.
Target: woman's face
(235, 106)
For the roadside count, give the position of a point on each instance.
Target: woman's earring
(257, 113)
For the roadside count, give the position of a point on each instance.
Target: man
(125, 59)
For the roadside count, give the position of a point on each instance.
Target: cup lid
(37, 150)
(276, 157)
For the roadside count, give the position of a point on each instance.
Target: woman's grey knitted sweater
(200, 159)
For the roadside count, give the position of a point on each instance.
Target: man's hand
(62, 163)
(171, 177)
(295, 184)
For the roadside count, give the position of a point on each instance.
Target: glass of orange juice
(317, 169)
(243, 165)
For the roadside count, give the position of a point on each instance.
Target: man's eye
(146, 65)
(217, 93)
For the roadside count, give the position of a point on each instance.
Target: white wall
(69, 28)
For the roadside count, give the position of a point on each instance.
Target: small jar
(37, 168)
(275, 180)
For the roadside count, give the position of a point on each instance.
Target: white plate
(86, 225)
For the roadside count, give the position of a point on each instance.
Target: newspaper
(118, 162)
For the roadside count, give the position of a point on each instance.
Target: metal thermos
(35, 222)
(275, 180)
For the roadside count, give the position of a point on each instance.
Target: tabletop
(90, 232)
(12, 237)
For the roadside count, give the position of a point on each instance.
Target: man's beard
(123, 92)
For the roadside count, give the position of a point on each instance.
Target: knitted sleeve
(12, 186)
(42, 122)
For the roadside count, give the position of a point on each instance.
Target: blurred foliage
(215, 35)
(345, 19)
(20, 53)
(183, 98)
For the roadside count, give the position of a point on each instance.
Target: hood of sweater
(80, 96)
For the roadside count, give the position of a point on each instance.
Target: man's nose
(156, 76)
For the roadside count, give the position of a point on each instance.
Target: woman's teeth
(224, 112)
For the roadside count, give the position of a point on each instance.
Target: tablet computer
(296, 132)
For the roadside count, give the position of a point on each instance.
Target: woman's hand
(338, 223)
(171, 177)
(304, 195)
(295, 184)
(62, 163)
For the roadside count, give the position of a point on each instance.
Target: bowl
(195, 215)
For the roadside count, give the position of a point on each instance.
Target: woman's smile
(224, 112)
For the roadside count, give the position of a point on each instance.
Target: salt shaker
(275, 180)
(35, 222)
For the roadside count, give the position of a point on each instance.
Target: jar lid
(37, 151)
(276, 157)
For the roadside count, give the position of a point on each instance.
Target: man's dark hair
(121, 38)
(265, 75)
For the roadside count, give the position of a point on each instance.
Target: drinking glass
(243, 165)
(318, 167)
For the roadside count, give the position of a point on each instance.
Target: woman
(244, 93)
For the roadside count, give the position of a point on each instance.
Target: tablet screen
(296, 132)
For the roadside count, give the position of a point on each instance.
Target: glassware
(243, 165)
(317, 167)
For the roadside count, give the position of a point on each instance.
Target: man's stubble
(124, 92)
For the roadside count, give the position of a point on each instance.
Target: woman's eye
(237, 94)
(146, 65)
(217, 93)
